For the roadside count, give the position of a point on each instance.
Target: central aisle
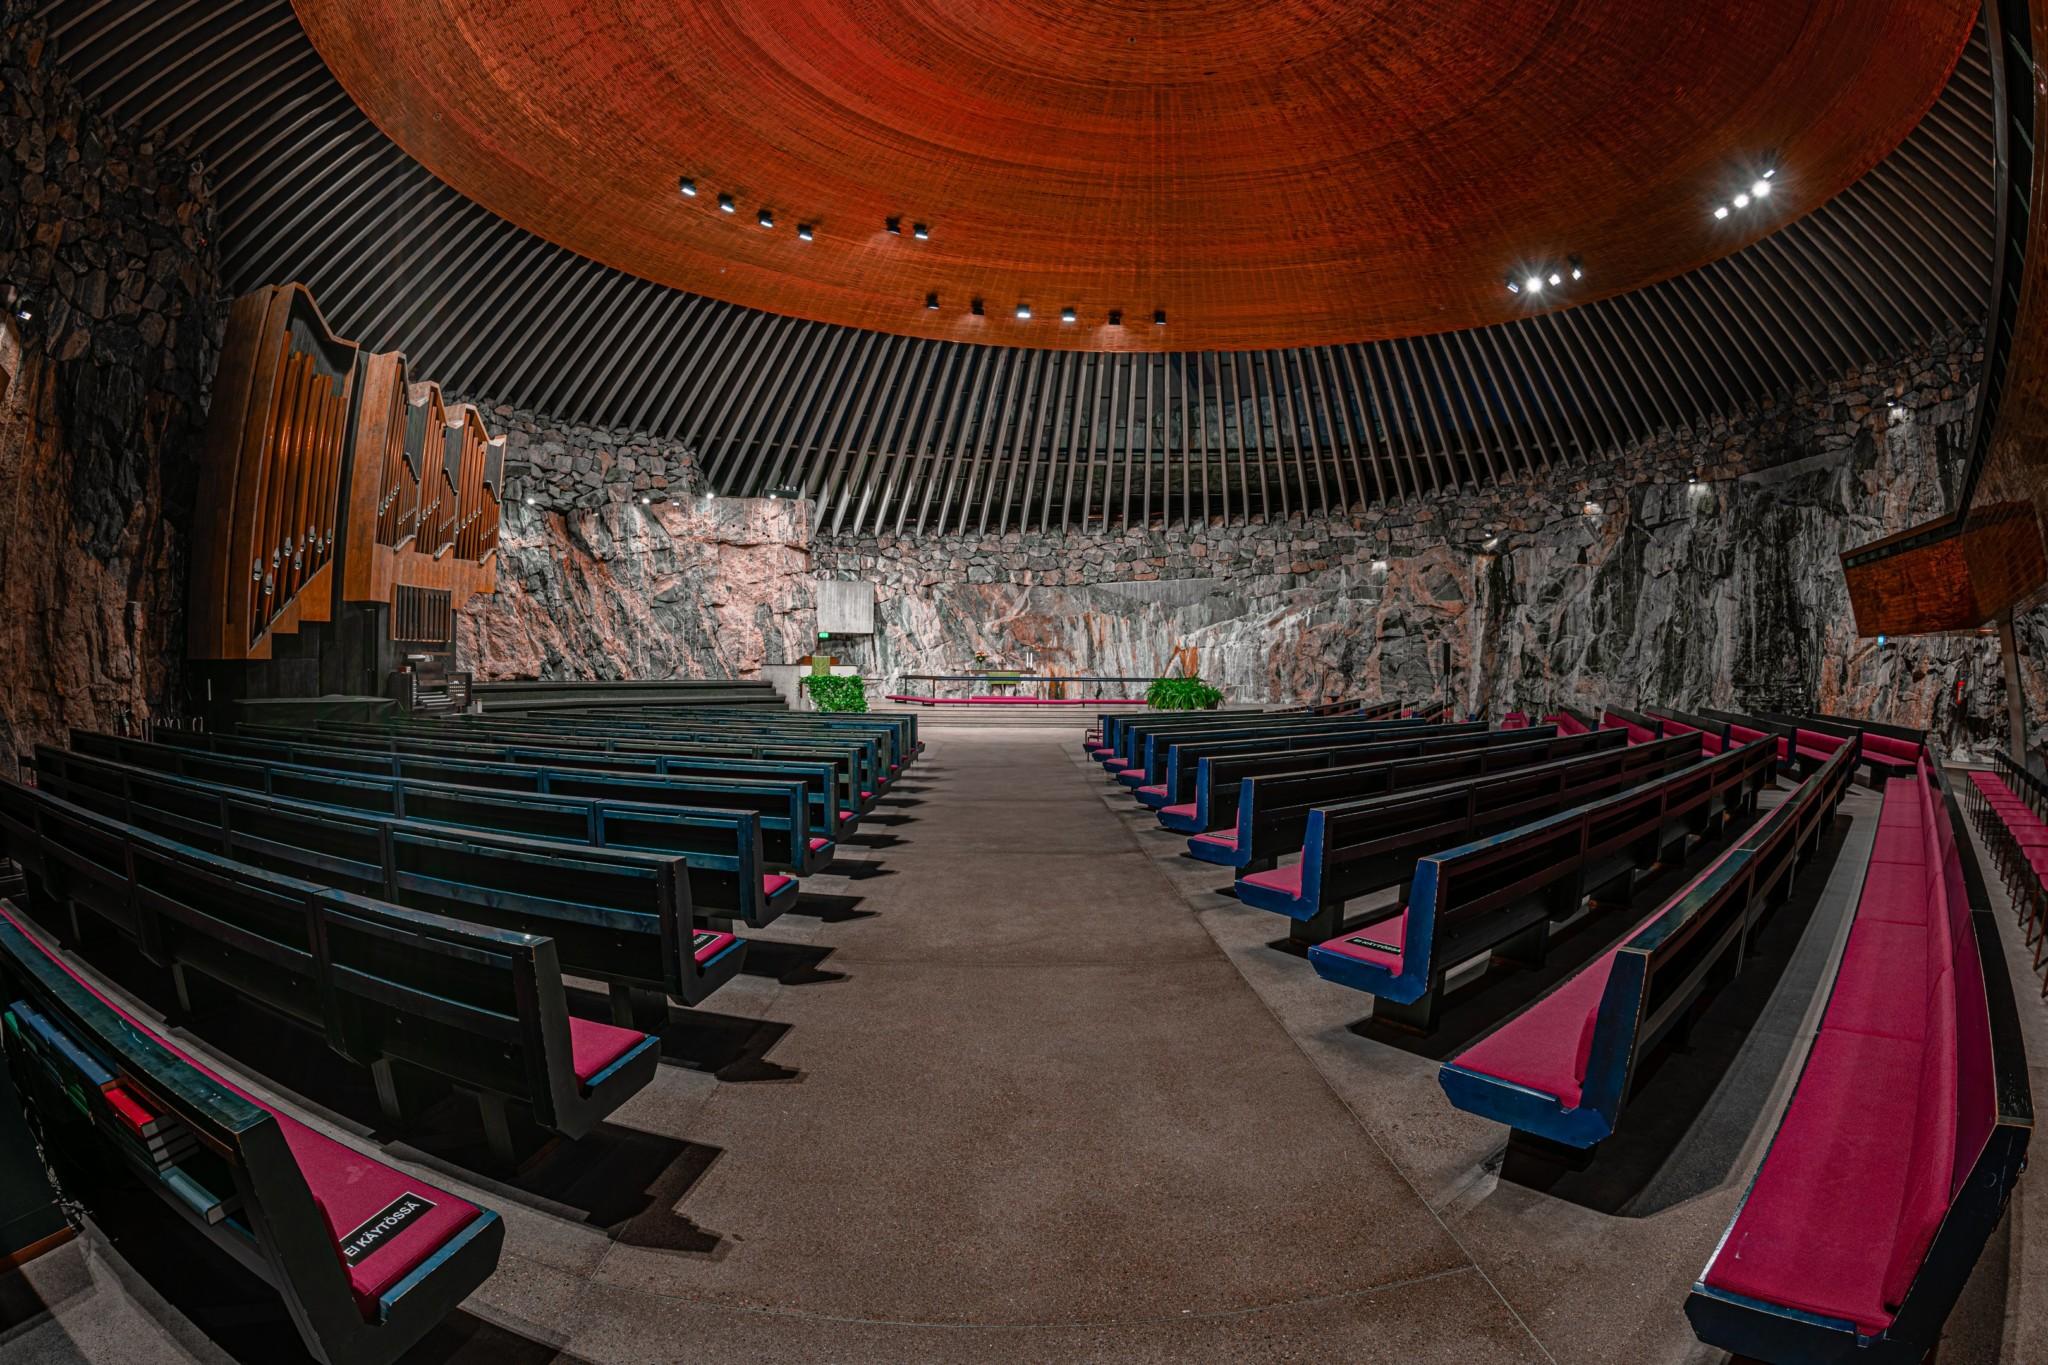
(1041, 1116)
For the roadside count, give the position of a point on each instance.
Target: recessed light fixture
(1067, 315)
(1556, 278)
(894, 225)
(975, 308)
(766, 218)
(1514, 285)
(803, 232)
(1158, 317)
(1770, 173)
(1720, 210)
(1742, 201)
(1116, 317)
(725, 204)
(1578, 266)
(688, 187)
(1534, 284)
(1761, 189)
(1024, 310)
(920, 231)
(931, 301)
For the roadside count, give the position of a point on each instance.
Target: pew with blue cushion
(896, 733)
(616, 916)
(383, 986)
(1273, 810)
(1500, 893)
(366, 1258)
(1102, 740)
(1179, 769)
(1897, 1155)
(1220, 770)
(728, 876)
(1354, 848)
(1562, 1068)
(1126, 739)
(1146, 745)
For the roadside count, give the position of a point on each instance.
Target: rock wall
(1698, 568)
(107, 253)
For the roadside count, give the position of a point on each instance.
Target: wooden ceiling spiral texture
(1269, 172)
(911, 434)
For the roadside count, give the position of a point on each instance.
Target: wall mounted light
(1067, 315)
(1024, 311)
(766, 218)
(803, 232)
(725, 204)
(920, 231)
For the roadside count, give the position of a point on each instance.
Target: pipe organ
(339, 492)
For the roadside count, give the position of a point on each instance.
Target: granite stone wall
(1697, 568)
(106, 251)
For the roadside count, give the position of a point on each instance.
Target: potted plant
(1182, 694)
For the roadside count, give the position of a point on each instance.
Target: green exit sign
(824, 635)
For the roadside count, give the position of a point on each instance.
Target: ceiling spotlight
(975, 308)
(725, 204)
(645, 501)
(894, 225)
(1024, 310)
(688, 187)
(1720, 210)
(1771, 172)
(1067, 315)
(931, 301)
(921, 232)
(1742, 201)
(1116, 317)
(1578, 268)
(1514, 285)
(1534, 284)
(766, 218)
(1556, 278)
(1761, 189)
(803, 232)
(1158, 317)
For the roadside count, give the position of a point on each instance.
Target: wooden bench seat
(1269, 797)
(367, 1258)
(1562, 1068)
(1187, 763)
(1897, 1153)
(1354, 848)
(1501, 892)
(1146, 760)
(384, 986)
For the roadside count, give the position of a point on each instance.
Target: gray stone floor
(1020, 1083)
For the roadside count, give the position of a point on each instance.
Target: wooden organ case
(347, 513)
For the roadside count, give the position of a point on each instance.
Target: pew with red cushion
(1639, 728)
(1354, 848)
(1500, 893)
(367, 1258)
(1562, 1068)
(1894, 1161)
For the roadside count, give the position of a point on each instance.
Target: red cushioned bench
(1562, 1069)
(367, 1258)
(1897, 1154)
(2006, 803)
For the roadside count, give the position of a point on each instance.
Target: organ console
(346, 510)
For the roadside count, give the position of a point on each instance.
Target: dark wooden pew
(788, 844)
(722, 848)
(895, 735)
(385, 987)
(1152, 746)
(1671, 722)
(1273, 809)
(1219, 770)
(1500, 893)
(1562, 1068)
(1102, 739)
(616, 916)
(1181, 762)
(1129, 748)
(1895, 1159)
(367, 1259)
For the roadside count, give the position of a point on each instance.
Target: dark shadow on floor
(868, 872)
(465, 1340)
(862, 839)
(822, 905)
(792, 964)
(627, 1183)
(732, 1048)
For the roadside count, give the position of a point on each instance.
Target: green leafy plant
(1182, 694)
(835, 693)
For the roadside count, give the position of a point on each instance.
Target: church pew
(1107, 724)
(1180, 765)
(383, 986)
(1570, 722)
(1639, 728)
(1894, 1161)
(366, 1258)
(1563, 1067)
(1273, 809)
(1888, 750)
(824, 780)
(1671, 722)
(1149, 746)
(858, 758)
(1353, 848)
(781, 809)
(616, 916)
(1215, 772)
(905, 745)
(728, 880)
(1743, 729)
(1127, 748)
(1500, 893)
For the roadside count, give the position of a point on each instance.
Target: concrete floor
(1017, 1082)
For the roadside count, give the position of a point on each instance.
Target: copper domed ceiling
(1266, 172)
